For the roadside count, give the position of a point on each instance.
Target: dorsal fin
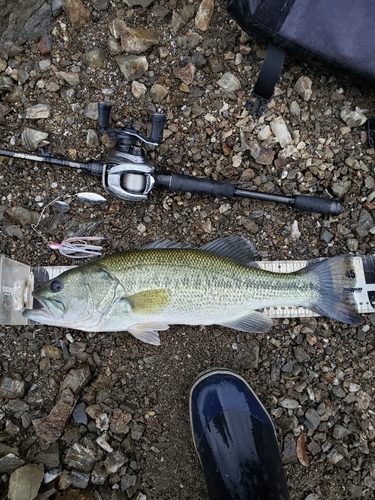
(166, 244)
(234, 247)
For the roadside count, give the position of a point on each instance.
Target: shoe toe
(218, 391)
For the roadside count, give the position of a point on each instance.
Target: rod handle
(317, 204)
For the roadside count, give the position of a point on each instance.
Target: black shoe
(235, 439)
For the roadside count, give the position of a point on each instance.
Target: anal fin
(148, 332)
(254, 322)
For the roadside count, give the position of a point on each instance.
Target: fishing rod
(129, 175)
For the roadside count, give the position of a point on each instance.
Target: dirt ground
(324, 367)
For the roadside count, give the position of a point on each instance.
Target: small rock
(313, 417)
(250, 225)
(158, 92)
(119, 421)
(355, 490)
(128, 481)
(91, 111)
(99, 474)
(77, 13)
(76, 380)
(294, 109)
(6, 84)
(24, 483)
(138, 89)
(303, 87)
(177, 22)
(186, 73)
(290, 404)
(132, 67)
(50, 428)
(81, 457)
(340, 431)
(142, 3)
(229, 82)
(79, 479)
(116, 27)
(100, 5)
(289, 453)
(31, 138)
(352, 244)
(340, 189)
(115, 461)
(92, 139)
(326, 236)
(94, 58)
(353, 118)
(137, 432)
(12, 386)
(262, 156)
(70, 77)
(13, 231)
(204, 15)
(102, 441)
(79, 414)
(281, 132)
(363, 400)
(137, 40)
(45, 44)
(38, 111)
(10, 462)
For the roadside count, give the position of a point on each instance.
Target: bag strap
(268, 77)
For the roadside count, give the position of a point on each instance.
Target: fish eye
(56, 286)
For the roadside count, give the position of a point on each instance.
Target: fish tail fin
(334, 279)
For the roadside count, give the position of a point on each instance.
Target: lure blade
(90, 198)
(61, 206)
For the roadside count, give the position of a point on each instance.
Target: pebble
(50, 428)
(31, 138)
(137, 40)
(290, 404)
(79, 414)
(158, 92)
(70, 77)
(185, 73)
(78, 14)
(132, 67)
(353, 118)
(12, 386)
(38, 111)
(281, 132)
(102, 441)
(313, 418)
(229, 82)
(94, 58)
(303, 87)
(24, 483)
(10, 462)
(204, 15)
(138, 89)
(115, 461)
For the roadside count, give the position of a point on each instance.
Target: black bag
(337, 33)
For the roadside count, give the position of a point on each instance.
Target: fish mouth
(42, 308)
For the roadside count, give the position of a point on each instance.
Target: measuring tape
(364, 292)
(18, 280)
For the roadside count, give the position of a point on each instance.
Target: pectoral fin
(149, 301)
(255, 322)
(148, 332)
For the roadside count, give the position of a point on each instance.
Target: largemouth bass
(144, 291)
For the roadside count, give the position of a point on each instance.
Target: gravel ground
(129, 434)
